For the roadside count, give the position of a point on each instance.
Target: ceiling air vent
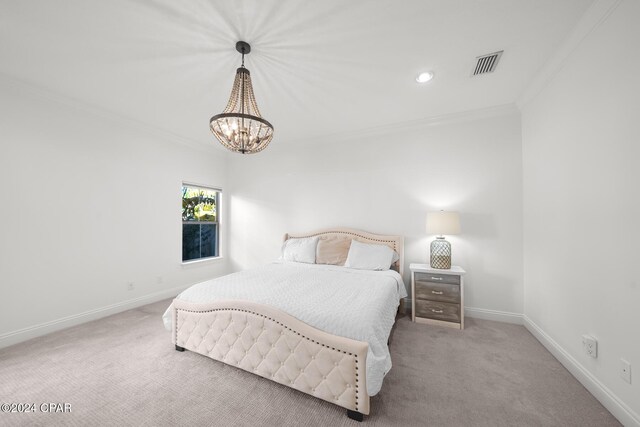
(487, 63)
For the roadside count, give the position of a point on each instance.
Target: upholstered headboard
(394, 242)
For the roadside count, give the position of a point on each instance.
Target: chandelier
(240, 127)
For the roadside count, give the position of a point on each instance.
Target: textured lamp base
(440, 254)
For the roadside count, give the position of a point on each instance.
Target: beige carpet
(113, 374)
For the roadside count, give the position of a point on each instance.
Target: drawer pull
(436, 278)
(437, 311)
(437, 292)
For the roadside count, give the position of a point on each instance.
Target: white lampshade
(442, 223)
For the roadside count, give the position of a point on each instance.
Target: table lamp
(441, 223)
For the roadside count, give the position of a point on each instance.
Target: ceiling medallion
(240, 127)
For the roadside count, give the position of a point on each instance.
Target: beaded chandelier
(240, 127)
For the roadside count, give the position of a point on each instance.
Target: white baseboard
(34, 331)
(498, 316)
(609, 400)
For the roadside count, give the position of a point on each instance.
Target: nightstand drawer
(438, 292)
(438, 278)
(438, 310)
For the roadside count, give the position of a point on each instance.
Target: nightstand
(437, 296)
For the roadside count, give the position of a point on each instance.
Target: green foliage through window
(200, 228)
(199, 204)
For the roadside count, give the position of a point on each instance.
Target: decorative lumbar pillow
(300, 250)
(364, 256)
(332, 250)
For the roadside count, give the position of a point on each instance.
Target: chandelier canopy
(240, 127)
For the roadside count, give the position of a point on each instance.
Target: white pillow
(300, 250)
(364, 256)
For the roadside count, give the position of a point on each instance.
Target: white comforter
(357, 304)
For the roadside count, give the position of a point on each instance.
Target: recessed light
(424, 77)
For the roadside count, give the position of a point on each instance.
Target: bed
(321, 329)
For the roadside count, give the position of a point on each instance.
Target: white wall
(89, 203)
(386, 183)
(582, 206)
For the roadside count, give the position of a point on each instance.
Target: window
(200, 228)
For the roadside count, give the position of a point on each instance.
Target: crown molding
(39, 92)
(596, 14)
(412, 125)
(386, 129)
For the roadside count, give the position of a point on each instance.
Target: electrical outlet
(590, 345)
(625, 370)
(130, 286)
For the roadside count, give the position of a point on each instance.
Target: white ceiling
(319, 67)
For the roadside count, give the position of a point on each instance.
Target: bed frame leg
(178, 348)
(355, 415)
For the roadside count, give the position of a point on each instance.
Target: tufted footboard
(270, 343)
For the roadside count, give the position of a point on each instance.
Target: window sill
(202, 261)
